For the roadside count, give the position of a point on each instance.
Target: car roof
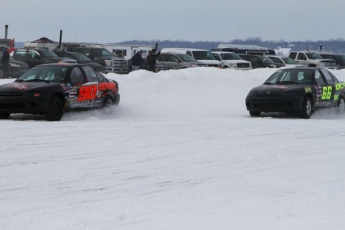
(63, 64)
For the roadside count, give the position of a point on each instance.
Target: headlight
(320, 64)
(273, 65)
(14, 65)
(107, 62)
(194, 66)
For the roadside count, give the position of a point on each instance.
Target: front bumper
(274, 103)
(23, 103)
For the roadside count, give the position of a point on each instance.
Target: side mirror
(179, 61)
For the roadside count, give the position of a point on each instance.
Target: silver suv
(179, 61)
(312, 59)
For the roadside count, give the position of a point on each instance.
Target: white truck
(231, 60)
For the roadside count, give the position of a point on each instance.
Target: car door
(81, 93)
(328, 90)
(302, 59)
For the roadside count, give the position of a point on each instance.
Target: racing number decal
(87, 92)
(326, 92)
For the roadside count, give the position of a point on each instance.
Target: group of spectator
(137, 60)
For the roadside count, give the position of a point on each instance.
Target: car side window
(189, 53)
(33, 54)
(216, 56)
(292, 55)
(318, 78)
(76, 77)
(328, 76)
(172, 59)
(20, 53)
(301, 57)
(90, 74)
(100, 77)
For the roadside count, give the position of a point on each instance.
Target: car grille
(120, 65)
(243, 65)
(12, 106)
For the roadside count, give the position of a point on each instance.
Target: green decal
(326, 92)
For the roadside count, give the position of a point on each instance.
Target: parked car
(36, 56)
(80, 58)
(231, 60)
(16, 68)
(312, 59)
(297, 89)
(200, 55)
(109, 61)
(286, 61)
(259, 61)
(179, 61)
(338, 58)
(52, 89)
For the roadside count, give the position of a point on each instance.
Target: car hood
(25, 86)
(235, 61)
(276, 88)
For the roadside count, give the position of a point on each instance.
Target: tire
(341, 106)
(55, 110)
(108, 105)
(4, 115)
(254, 113)
(307, 107)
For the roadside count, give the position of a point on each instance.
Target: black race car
(52, 89)
(297, 89)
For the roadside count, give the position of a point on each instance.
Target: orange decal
(87, 92)
(106, 86)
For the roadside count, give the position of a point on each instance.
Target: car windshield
(266, 59)
(101, 52)
(186, 58)
(288, 60)
(203, 55)
(80, 57)
(313, 56)
(44, 73)
(230, 56)
(291, 76)
(47, 53)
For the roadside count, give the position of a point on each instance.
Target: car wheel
(4, 115)
(254, 113)
(107, 105)
(307, 108)
(55, 110)
(341, 106)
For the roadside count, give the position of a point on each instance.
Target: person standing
(137, 61)
(5, 63)
(151, 60)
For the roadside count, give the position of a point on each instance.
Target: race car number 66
(326, 92)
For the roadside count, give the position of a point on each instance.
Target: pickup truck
(312, 59)
(36, 56)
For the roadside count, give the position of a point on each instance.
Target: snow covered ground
(179, 152)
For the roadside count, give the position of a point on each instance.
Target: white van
(204, 56)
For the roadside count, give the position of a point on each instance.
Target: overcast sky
(203, 20)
